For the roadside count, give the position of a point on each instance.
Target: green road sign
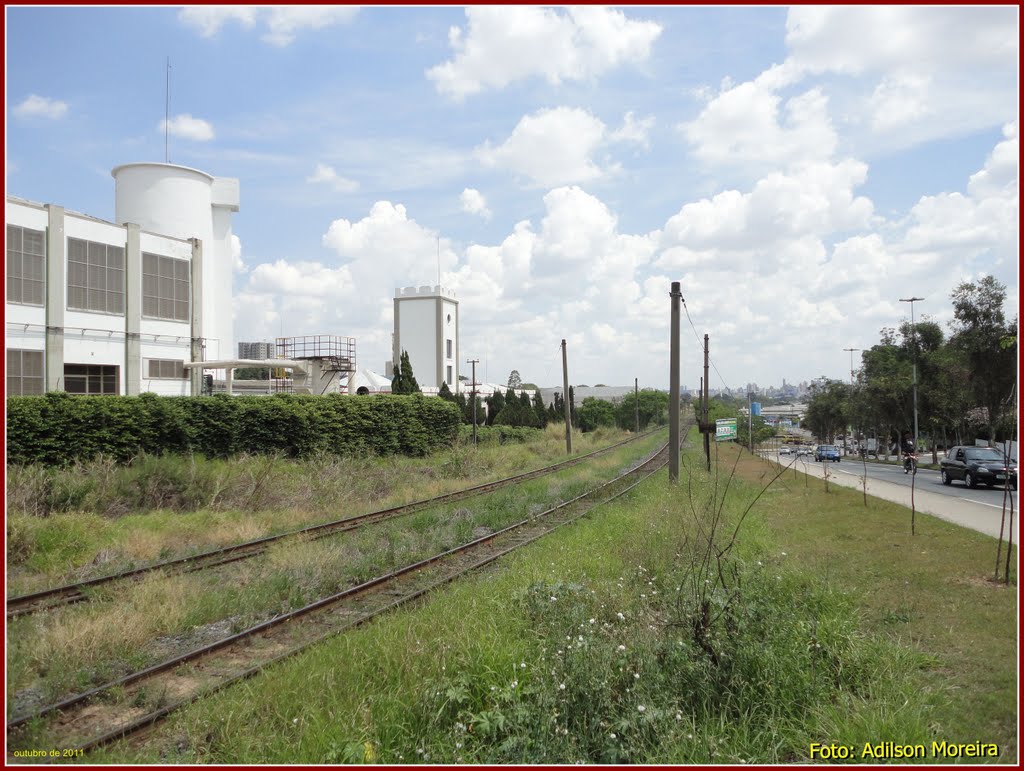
(725, 429)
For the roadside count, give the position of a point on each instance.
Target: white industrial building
(427, 327)
(96, 307)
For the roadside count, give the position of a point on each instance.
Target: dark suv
(978, 465)
(827, 452)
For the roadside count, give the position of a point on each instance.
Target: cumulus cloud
(187, 127)
(550, 147)
(751, 124)
(816, 200)
(633, 130)
(473, 202)
(237, 263)
(326, 175)
(34, 106)
(917, 72)
(208, 19)
(282, 23)
(503, 44)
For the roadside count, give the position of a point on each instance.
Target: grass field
(824, 623)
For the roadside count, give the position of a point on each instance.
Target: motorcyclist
(909, 451)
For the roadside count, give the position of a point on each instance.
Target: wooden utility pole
(673, 388)
(565, 398)
(474, 362)
(704, 420)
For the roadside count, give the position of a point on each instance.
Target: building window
(165, 286)
(97, 379)
(24, 372)
(167, 369)
(95, 276)
(449, 378)
(26, 265)
(449, 348)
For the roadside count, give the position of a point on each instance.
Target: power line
(700, 343)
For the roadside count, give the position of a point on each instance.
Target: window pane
(14, 235)
(115, 257)
(77, 250)
(97, 253)
(33, 242)
(33, 292)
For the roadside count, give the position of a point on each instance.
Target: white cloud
(35, 106)
(816, 200)
(187, 127)
(898, 100)
(301, 279)
(208, 19)
(237, 263)
(633, 130)
(916, 73)
(282, 23)
(473, 202)
(551, 147)
(503, 44)
(326, 175)
(999, 177)
(749, 124)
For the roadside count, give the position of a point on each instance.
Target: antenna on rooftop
(167, 112)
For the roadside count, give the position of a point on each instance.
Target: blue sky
(798, 170)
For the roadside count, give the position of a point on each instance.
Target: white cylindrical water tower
(187, 203)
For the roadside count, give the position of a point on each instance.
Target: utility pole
(673, 388)
(474, 362)
(565, 395)
(851, 350)
(913, 333)
(636, 397)
(704, 420)
(750, 421)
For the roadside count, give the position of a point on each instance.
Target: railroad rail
(67, 594)
(132, 703)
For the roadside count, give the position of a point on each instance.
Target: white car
(786, 451)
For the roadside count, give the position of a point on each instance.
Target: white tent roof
(367, 378)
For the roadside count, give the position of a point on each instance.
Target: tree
(979, 329)
(252, 373)
(827, 409)
(404, 382)
(539, 410)
(514, 381)
(653, 409)
(445, 392)
(596, 412)
(495, 402)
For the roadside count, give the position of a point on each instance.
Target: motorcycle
(909, 463)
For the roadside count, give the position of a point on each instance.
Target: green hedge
(57, 429)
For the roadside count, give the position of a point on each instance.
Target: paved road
(980, 509)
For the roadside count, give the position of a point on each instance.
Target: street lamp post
(913, 334)
(851, 350)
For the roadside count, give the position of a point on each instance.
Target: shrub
(57, 429)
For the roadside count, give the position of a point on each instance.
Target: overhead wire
(701, 342)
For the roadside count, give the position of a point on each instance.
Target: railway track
(80, 592)
(132, 703)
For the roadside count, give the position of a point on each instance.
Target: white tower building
(187, 203)
(427, 327)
